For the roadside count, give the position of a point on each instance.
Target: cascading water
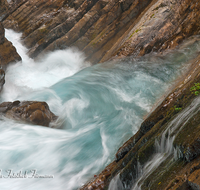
(165, 147)
(99, 107)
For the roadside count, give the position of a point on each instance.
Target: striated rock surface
(33, 112)
(164, 25)
(104, 29)
(3, 9)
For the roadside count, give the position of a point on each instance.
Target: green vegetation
(177, 109)
(152, 15)
(136, 31)
(195, 89)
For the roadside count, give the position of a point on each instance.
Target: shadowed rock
(8, 52)
(33, 112)
(2, 79)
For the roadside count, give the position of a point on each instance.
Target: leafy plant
(195, 89)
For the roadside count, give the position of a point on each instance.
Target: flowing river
(99, 108)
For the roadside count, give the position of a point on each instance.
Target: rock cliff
(104, 29)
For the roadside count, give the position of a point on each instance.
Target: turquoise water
(99, 108)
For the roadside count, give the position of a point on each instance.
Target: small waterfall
(164, 146)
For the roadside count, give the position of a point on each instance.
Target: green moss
(160, 6)
(177, 108)
(195, 89)
(136, 31)
(152, 15)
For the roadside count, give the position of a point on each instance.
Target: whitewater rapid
(99, 108)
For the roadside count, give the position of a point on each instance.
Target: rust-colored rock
(93, 26)
(164, 25)
(3, 9)
(104, 29)
(33, 112)
(8, 53)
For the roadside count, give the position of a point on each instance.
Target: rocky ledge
(103, 29)
(37, 113)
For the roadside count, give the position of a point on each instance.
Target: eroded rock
(37, 113)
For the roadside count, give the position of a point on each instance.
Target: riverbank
(139, 149)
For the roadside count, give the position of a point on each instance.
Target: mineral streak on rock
(33, 112)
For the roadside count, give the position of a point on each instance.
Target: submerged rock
(37, 113)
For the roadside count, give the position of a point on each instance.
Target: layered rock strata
(104, 29)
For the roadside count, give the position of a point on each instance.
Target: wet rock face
(2, 34)
(104, 29)
(8, 52)
(37, 113)
(93, 26)
(2, 79)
